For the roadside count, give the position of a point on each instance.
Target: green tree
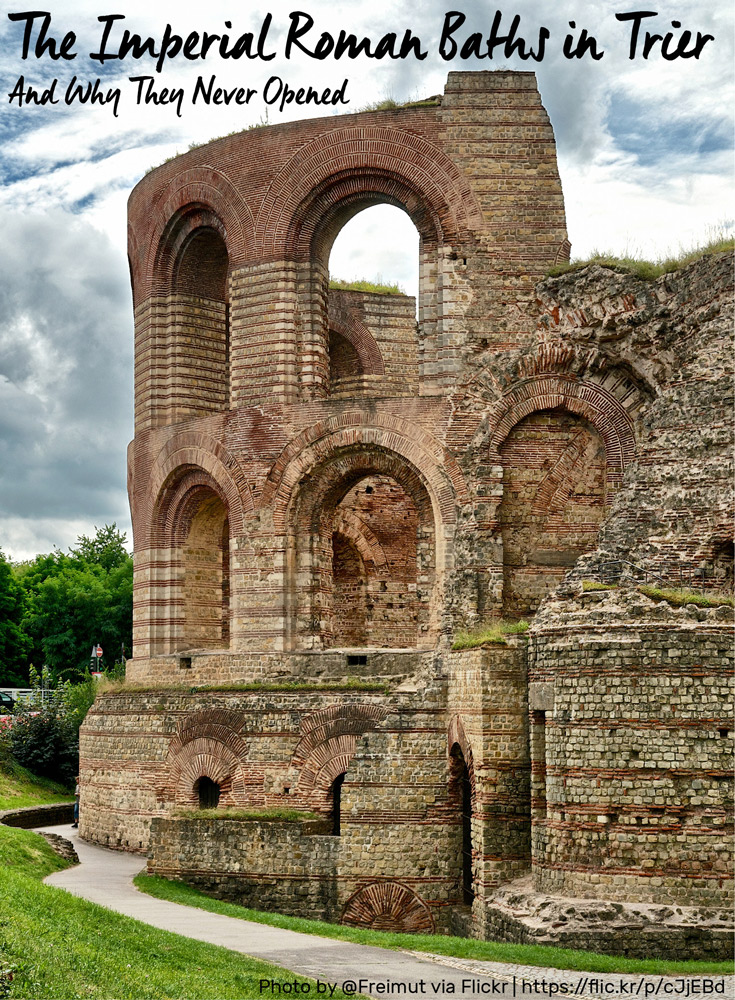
(78, 599)
(106, 549)
(13, 642)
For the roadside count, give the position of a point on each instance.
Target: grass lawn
(516, 954)
(18, 788)
(54, 946)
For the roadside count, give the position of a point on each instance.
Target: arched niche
(187, 360)
(191, 607)
(554, 499)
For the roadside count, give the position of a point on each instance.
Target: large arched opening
(363, 554)
(206, 574)
(191, 595)
(188, 366)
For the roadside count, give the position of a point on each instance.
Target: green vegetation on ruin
(258, 815)
(494, 632)
(596, 585)
(348, 684)
(362, 285)
(681, 596)
(143, 687)
(648, 270)
(492, 951)
(55, 945)
(390, 104)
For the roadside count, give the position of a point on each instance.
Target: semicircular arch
(183, 453)
(350, 162)
(356, 430)
(198, 191)
(584, 398)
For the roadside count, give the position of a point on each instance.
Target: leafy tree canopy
(13, 641)
(69, 602)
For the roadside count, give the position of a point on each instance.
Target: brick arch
(456, 736)
(363, 538)
(350, 326)
(173, 214)
(359, 161)
(328, 744)
(357, 430)
(585, 398)
(388, 906)
(207, 744)
(177, 461)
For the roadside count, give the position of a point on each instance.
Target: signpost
(96, 656)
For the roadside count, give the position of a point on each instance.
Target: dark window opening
(337, 804)
(356, 660)
(185, 662)
(724, 733)
(468, 892)
(208, 792)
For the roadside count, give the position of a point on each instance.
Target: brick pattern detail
(554, 491)
(360, 159)
(388, 906)
(208, 744)
(594, 401)
(328, 745)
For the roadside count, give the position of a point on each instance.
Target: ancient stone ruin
(326, 492)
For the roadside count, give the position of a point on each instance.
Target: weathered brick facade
(325, 490)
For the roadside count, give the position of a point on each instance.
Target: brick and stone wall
(633, 752)
(326, 485)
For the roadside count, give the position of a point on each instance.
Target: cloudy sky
(645, 154)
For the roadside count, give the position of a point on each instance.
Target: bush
(44, 735)
(46, 742)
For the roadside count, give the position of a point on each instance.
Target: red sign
(98, 652)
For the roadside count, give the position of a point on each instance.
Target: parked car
(7, 703)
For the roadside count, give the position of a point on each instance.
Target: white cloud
(643, 155)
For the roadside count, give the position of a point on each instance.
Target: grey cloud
(66, 359)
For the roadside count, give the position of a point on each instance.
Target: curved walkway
(105, 877)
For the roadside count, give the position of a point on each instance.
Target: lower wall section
(299, 869)
(275, 866)
(519, 915)
(598, 759)
(632, 753)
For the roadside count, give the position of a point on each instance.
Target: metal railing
(611, 571)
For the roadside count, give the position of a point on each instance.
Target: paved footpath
(105, 877)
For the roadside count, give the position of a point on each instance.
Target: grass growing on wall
(680, 596)
(495, 632)
(649, 270)
(437, 944)
(347, 684)
(260, 815)
(362, 285)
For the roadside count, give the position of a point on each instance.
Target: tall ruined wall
(261, 394)
(674, 514)
(327, 485)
